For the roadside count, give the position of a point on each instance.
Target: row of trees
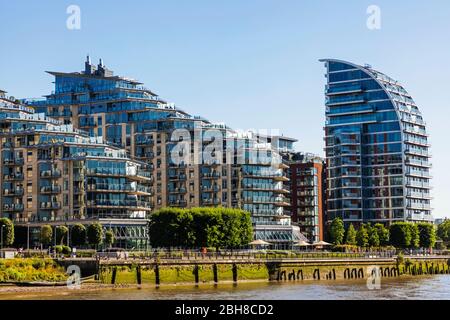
(79, 236)
(399, 235)
(200, 227)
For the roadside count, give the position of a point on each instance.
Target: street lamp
(28, 236)
(54, 248)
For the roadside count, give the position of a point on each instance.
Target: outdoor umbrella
(302, 244)
(321, 244)
(259, 243)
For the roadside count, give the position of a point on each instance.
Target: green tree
(383, 234)
(245, 227)
(350, 238)
(427, 235)
(400, 235)
(46, 235)
(78, 235)
(7, 231)
(443, 231)
(362, 236)
(200, 227)
(61, 234)
(109, 238)
(415, 236)
(374, 239)
(95, 234)
(337, 231)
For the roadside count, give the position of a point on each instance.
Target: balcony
(50, 205)
(418, 184)
(13, 177)
(50, 189)
(17, 192)
(210, 201)
(418, 163)
(214, 188)
(119, 203)
(103, 187)
(265, 187)
(177, 190)
(211, 163)
(13, 207)
(50, 174)
(343, 90)
(177, 203)
(211, 175)
(418, 195)
(180, 177)
(144, 141)
(335, 101)
(13, 162)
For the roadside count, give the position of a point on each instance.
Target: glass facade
(129, 116)
(377, 154)
(52, 173)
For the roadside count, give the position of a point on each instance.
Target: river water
(425, 287)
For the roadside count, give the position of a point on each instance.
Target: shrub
(95, 234)
(78, 235)
(46, 235)
(200, 227)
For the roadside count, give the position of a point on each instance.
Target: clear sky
(249, 63)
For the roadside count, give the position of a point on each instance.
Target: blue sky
(249, 63)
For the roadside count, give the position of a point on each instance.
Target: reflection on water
(431, 287)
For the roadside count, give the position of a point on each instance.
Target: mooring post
(316, 274)
(235, 273)
(216, 278)
(138, 275)
(196, 274)
(113, 276)
(157, 280)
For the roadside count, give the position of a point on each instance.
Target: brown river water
(435, 287)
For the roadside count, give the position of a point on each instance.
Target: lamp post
(28, 236)
(54, 248)
(68, 235)
(1, 234)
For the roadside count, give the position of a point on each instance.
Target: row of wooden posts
(234, 270)
(358, 273)
(294, 275)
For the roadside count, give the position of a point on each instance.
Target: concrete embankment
(180, 271)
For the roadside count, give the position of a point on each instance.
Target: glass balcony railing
(119, 203)
(13, 207)
(50, 174)
(13, 162)
(13, 192)
(50, 205)
(13, 177)
(50, 189)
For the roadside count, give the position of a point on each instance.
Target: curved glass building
(377, 150)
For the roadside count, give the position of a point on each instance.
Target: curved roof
(401, 99)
